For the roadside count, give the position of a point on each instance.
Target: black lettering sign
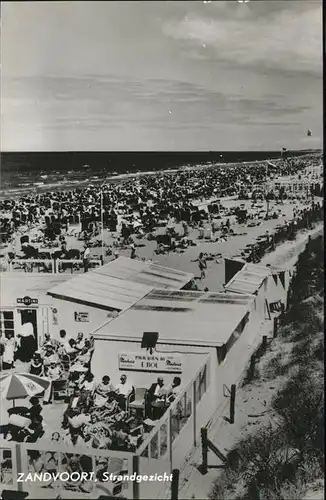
(27, 301)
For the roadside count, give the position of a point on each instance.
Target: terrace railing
(176, 432)
(163, 438)
(17, 458)
(52, 266)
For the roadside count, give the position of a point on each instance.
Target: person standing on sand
(133, 251)
(185, 229)
(86, 257)
(202, 265)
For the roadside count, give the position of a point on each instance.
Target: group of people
(142, 202)
(97, 414)
(21, 348)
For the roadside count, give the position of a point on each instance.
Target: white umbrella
(21, 385)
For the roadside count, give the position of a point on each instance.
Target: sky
(161, 76)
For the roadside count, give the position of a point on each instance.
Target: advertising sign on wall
(27, 301)
(82, 317)
(157, 362)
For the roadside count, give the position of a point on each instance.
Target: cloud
(287, 38)
(104, 75)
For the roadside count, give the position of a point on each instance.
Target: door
(30, 316)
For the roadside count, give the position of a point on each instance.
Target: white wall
(105, 362)
(66, 319)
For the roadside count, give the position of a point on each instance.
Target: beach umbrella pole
(102, 225)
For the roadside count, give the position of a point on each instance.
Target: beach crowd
(135, 209)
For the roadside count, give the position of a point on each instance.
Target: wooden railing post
(175, 485)
(194, 410)
(19, 468)
(232, 403)
(264, 343)
(170, 438)
(275, 327)
(204, 449)
(135, 470)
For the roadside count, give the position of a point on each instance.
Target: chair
(59, 390)
(139, 401)
(65, 362)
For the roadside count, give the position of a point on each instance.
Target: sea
(43, 171)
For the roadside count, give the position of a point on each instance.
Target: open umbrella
(21, 385)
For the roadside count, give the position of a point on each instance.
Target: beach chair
(139, 402)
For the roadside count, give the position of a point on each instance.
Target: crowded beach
(187, 220)
(169, 217)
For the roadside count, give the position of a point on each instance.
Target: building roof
(249, 279)
(102, 292)
(145, 273)
(180, 317)
(15, 285)
(119, 284)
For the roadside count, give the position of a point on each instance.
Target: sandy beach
(183, 260)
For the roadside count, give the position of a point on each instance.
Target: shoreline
(66, 185)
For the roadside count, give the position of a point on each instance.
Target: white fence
(40, 457)
(176, 433)
(166, 446)
(49, 265)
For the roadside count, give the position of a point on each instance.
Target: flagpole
(102, 225)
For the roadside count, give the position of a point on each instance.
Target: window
(6, 322)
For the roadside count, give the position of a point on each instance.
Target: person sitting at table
(173, 390)
(102, 391)
(96, 429)
(80, 341)
(120, 436)
(124, 390)
(89, 384)
(35, 410)
(85, 355)
(155, 398)
(71, 349)
(49, 356)
(48, 342)
(110, 407)
(35, 431)
(64, 340)
(36, 367)
(74, 399)
(54, 373)
(76, 421)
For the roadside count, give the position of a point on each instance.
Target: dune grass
(280, 462)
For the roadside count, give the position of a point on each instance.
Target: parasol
(21, 385)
